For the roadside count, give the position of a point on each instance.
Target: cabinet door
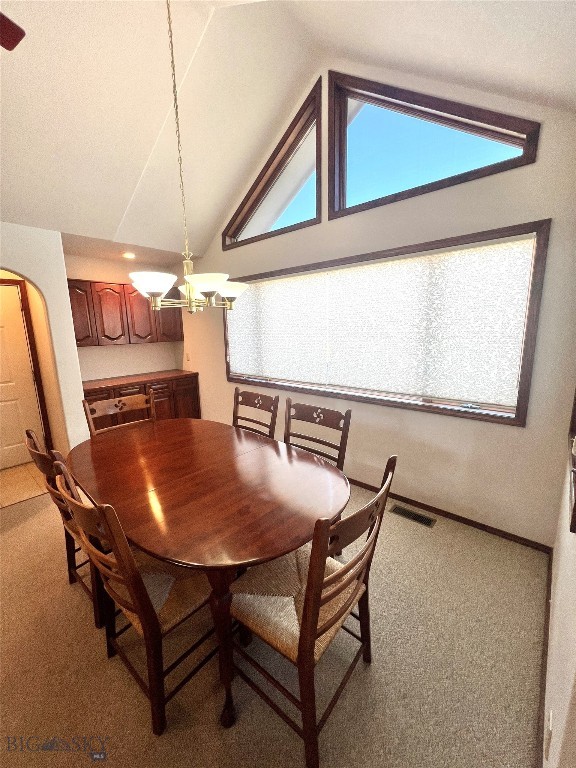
(130, 389)
(169, 324)
(110, 313)
(141, 324)
(82, 313)
(162, 398)
(90, 395)
(186, 398)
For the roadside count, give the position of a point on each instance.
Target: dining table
(202, 494)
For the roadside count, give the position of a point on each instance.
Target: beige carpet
(457, 617)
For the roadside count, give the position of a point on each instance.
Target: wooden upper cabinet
(169, 324)
(110, 313)
(114, 313)
(83, 313)
(141, 320)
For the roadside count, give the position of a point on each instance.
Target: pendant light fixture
(212, 289)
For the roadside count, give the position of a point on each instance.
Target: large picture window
(387, 143)
(447, 326)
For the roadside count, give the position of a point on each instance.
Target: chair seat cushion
(174, 591)
(269, 600)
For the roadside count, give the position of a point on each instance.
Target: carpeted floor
(458, 622)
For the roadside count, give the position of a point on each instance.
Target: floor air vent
(416, 517)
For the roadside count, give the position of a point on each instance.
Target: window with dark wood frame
(484, 123)
(511, 415)
(308, 117)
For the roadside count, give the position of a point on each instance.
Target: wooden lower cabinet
(186, 399)
(163, 400)
(176, 394)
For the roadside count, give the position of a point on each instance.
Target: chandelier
(211, 289)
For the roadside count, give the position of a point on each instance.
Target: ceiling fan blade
(10, 33)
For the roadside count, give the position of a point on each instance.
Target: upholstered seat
(269, 600)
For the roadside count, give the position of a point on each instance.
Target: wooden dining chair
(320, 417)
(297, 604)
(76, 560)
(116, 406)
(255, 401)
(155, 597)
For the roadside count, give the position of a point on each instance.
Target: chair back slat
(38, 455)
(106, 545)
(255, 401)
(347, 583)
(324, 418)
(118, 405)
(344, 609)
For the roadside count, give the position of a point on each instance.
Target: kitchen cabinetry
(141, 325)
(115, 313)
(176, 394)
(80, 294)
(110, 313)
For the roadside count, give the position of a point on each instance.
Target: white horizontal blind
(447, 325)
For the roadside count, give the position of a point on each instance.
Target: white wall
(561, 673)
(36, 255)
(507, 477)
(125, 359)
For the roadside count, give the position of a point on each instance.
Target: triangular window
(286, 194)
(388, 144)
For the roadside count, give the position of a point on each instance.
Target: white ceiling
(95, 248)
(524, 49)
(87, 131)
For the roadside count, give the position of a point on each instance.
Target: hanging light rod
(201, 290)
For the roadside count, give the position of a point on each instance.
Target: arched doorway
(22, 398)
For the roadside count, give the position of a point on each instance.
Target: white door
(18, 402)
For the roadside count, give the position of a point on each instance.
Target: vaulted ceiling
(87, 131)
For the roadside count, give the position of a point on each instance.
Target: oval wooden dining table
(207, 495)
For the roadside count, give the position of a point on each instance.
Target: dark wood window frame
(481, 122)
(309, 114)
(518, 419)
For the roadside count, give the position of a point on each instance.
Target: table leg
(220, 604)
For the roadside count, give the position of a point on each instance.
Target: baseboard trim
(459, 518)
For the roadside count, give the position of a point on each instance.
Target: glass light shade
(209, 282)
(231, 290)
(195, 295)
(152, 283)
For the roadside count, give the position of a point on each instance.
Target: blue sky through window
(302, 206)
(388, 152)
